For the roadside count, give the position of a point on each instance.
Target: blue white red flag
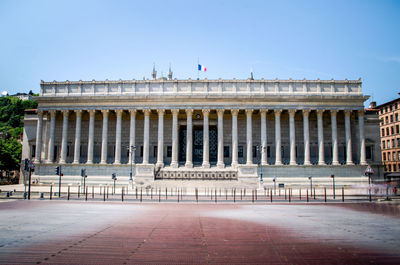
(202, 68)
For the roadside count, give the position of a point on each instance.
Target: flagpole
(198, 62)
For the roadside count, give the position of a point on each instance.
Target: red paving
(178, 234)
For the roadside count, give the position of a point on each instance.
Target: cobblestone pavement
(59, 232)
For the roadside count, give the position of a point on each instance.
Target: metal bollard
(307, 196)
(241, 194)
(107, 192)
(136, 192)
(151, 193)
(51, 192)
(141, 194)
(79, 191)
(234, 195)
(215, 195)
(92, 192)
(300, 194)
(314, 193)
(252, 196)
(342, 194)
(122, 194)
(166, 193)
(104, 193)
(285, 194)
(289, 195)
(270, 195)
(86, 192)
(159, 195)
(68, 192)
(325, 194)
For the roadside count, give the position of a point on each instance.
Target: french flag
(202, 68)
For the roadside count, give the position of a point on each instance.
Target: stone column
(249, 137)
(132, 131)
(292, 133)
(77, 148)
(321, 153)
(160, 144)
(174, 160)
(349, 158)
(306, 132)
(118, 128)
(264, 160)
(335, 153)
(50, 155)
(235, 113)
(363, 160)
(146, 136)
(91, 137)
(39, 130)
(64, 137)
(189, 138)
(104, 138)
(220, 162)
(278, 153)
(206, 147)
(46, 138)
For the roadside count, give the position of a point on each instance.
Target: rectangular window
(396, 117)
(384, 156)
(240, 151)
(169, 151)
(398, 155)
(389, 156)
(67, 150)
(394, 156)
(394, 167)
(368, 152)
(141, 151)
(155, 151)
(388, 143)
(387, 131)
(383, 132)
(254, 151)
(34, 151)
(226, 151)
(390, 167)
(398, 141)
(397, 129)
(268, 151)
(387, 119)
(383, 144)
(392, 143)
(392, 130)
(391, 118)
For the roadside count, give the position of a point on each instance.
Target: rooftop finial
(154, 73)
(169, 72)
(251, 74)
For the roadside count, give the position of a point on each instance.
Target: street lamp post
(131, 150)
(274, 180)
(310, 178)
(260, 148)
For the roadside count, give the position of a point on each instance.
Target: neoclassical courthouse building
(209, 130)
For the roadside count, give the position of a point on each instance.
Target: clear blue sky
(73, 40)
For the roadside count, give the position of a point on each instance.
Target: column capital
(333, 112)
(105, 112)
(249, 111)
(146, 112)
(347, 112)
(189, 111)
(78, 112)
(91, 112)
(263, 111)
(320, 112)
(40, 113)
(292, 112)
(65, 112)
(175, 112)
(360, 112)
(160, 111)
(52, 113)
(306, 112)
(234, 112)
(132, 112)
(119, 112)
(220, 112)
(206, 112)
(277, 112)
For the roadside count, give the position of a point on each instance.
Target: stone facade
(222, 128)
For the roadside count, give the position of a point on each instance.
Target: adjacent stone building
(208, 130)
(389, 113)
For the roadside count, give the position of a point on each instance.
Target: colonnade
(189, 139)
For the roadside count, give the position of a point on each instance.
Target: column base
(205, 165)
(174, 165)
(234, 164)
(349, 163)
(89, 162)
(335, 163)
(220, 165)
(103, 163)
(364, 163)
(307, 163)
(117, 163)
(61, 162)
(159, 164)
(293, 163)
(321, 163)
(278, 163)
(49, 162)
(264, 163)
(189, 165)
(75, 162)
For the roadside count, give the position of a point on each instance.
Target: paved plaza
(76, 232)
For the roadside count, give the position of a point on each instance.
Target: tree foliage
(11, 127)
